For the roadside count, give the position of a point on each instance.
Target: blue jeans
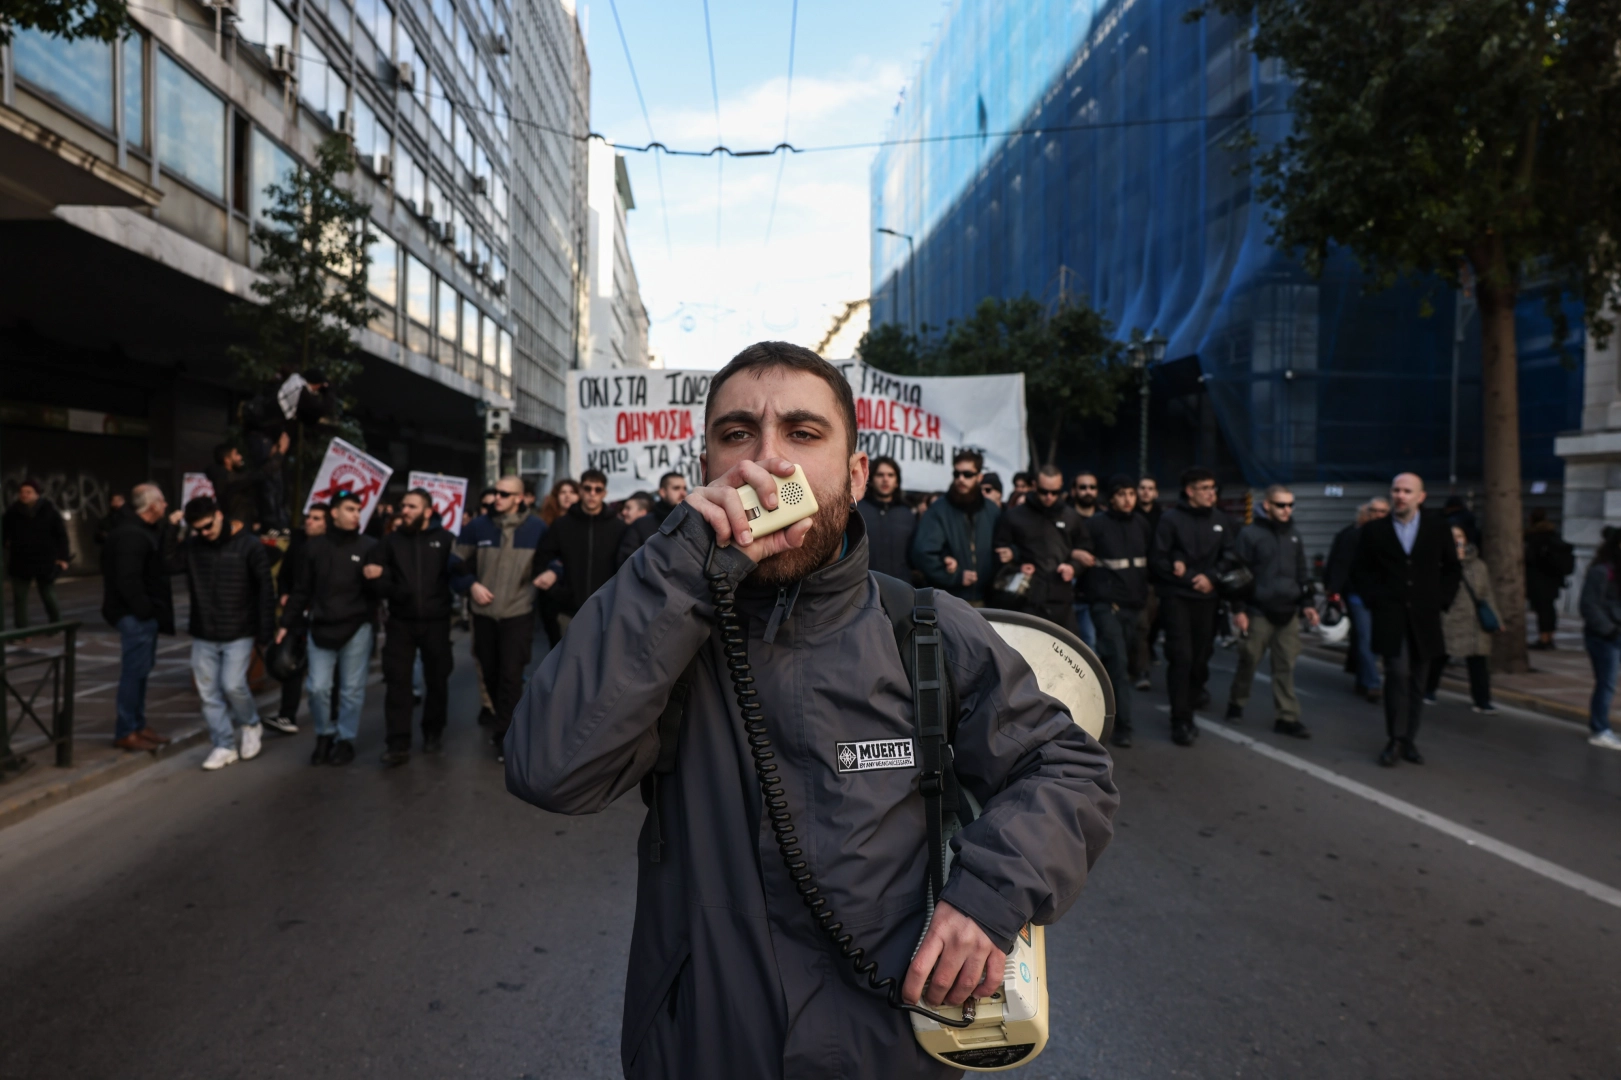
(138, 651)
(1367, 665)
(1088, 630)
(221, 671)
(350, 662)
(1606, 657)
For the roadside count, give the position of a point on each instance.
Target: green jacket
(967, 536)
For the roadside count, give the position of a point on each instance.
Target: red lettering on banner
(881, 414)
(660, 425)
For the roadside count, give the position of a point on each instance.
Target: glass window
(498, 196)
(191, 127)
(383, 275)
(278, 28)
(410, 55)
(464, 235)
(504, 361)
(378, 20)
(337, 12)
(481, 79)
(469, 328)
(79, 74)
(442, 12)
(449, 302)
(464, 46)
(498, 269)
(490, 331)
(134, 48)
(408, 180)
(504, 118)
(312, 84)
(268, 164)
(438, 105)
(250, 21)
(481, 250)
(418, 291)
(368, 139)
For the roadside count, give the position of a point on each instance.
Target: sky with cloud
(718, 269)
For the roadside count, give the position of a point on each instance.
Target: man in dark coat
(36, 551)
(233, 608)
(1407, 573)
(1270, 616)
(342, 605)
(640, 524)
(585, 540)
(315, 522)
(1117, 587)
(890, 522)
(954, 545)
(1549, 560)
(730, 978)
(236, 485)
(413, 568)
(672, 490)
(1046, 538)
(1193, 544)
(138, 600)
(1148, 623)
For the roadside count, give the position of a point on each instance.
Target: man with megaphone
(754, 686)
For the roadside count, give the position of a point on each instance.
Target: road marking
(1518, 856)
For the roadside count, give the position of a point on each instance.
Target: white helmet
(1335, 624)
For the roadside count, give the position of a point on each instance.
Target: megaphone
(1011, 1026)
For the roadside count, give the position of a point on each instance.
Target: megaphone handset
(734, 639)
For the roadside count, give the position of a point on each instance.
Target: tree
(1455, 137)
(1072, 366)
(315, 256)
(104, 20)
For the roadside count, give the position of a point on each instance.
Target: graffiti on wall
(80, 493)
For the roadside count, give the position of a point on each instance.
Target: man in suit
(1407, 573)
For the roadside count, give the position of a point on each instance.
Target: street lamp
(1144, 353)
(911, 273)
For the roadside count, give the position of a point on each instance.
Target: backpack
(912, 616)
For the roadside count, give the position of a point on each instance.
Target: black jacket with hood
(1273, 552)
(587, 545)
(890, 525)
(1120, 543)
(35, 538)
(419, 566)
(332, 586)
(729, 975)
(1201, 539)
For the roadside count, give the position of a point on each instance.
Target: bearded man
(729, 974)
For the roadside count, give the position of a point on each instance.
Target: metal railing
(56, 670)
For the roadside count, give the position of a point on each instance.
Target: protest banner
(349, 468)
(194, 485)
(449, 496)
(636, 426)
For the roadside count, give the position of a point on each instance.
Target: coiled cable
(734, 641)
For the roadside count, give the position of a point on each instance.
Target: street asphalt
(1302, 915)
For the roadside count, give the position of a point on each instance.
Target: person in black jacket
(890, 522)
(137, 599)
(1549, 560)
(36, 550)
(1193, 544)
(1148, 623)
(315, 522)
(233, 607)
(1270, 617)
(585, 541)
(236, 486)
(414, 567)
(1047, 538)
(1117, 587)
(672, 493)
(1407, 573)
(342, 606)
(640, 523)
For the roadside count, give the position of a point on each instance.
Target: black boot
(343, 752)
(1121, 738)
(323, 749)
(432, 742)
(1182, 732)
(1387, 756)
(1409, 752)
(1291, 727)
(1235, 712)
(392, 757)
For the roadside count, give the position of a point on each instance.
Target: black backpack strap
(670, 720)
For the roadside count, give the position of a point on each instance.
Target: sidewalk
(1559, 683)
(171, 703)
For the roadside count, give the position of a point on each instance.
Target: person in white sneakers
(1601, 632)
(233, 604)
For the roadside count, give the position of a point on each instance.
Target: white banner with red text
(349, 468)
(635, 426)
(449, 497)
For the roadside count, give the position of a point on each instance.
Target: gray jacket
(729, 976)
(1601, 602)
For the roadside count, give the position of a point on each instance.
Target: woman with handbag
(1468, 626)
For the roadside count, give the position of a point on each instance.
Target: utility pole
(1462, 311)
(1144, 353)
(497, 422)
(911, 275)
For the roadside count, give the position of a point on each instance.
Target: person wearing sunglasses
(581, 550)
(497, 550)
(953, 546)
(1270, 617)
(1046, 539)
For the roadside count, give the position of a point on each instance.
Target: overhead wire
(787, 112)
(714, 91)
(658, 168)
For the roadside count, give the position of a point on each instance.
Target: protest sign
(638, 425)
(449, 496)
(349, 468)
(194, 485)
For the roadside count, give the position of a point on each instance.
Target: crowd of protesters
(1104, 560)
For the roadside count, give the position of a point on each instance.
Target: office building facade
(1087, 150)
(616, 319)
(132, 175)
